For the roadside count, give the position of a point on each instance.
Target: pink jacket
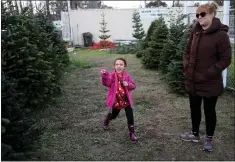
(110, 80)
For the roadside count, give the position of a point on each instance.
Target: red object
(99, 45)
(121, 98)
(132, 133)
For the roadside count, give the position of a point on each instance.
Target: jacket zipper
(195, 63)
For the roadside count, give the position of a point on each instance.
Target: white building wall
(119, 21)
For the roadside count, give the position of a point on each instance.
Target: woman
(207, 54)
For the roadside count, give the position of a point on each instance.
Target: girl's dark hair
(122, 59)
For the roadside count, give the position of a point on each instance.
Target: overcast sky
(136, 4)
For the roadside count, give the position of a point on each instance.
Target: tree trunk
(21, 7)
(17, 8)
(31, 6)
(48, 8)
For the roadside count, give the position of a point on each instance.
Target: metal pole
(69, 20)
(185, 11)
(77, 35)
(226, 22)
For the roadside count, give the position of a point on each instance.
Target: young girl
(120, 85)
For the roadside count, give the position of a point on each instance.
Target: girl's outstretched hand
(103, 71)
(125, 83)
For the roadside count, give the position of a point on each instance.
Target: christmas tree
(149, 34)
(33, 60)
(168, 50)
(155, 46)
(144, 43)
(138, 27)
(176, 32)
(103, 31)
(175, 76)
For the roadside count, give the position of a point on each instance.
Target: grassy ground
(74, 124)
(231, 73)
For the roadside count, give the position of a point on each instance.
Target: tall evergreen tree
(144, 43)
(103, 30)
(151, 57)
(176, 31)
(156, 3)
(149, 34)
(175, 76)
(168, 50)
(33, 60)
(139, 33)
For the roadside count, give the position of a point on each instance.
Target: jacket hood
(215, 26)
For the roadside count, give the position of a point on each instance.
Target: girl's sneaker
(190, 137)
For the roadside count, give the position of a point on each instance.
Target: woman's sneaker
(190, 137)
(208, 145)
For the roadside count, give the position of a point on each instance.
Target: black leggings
(209, 111)
(129, 114)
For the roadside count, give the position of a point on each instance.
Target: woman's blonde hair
(208, 7)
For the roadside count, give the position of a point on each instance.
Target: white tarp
(65, 26)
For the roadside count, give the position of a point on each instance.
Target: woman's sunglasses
(202, 14)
